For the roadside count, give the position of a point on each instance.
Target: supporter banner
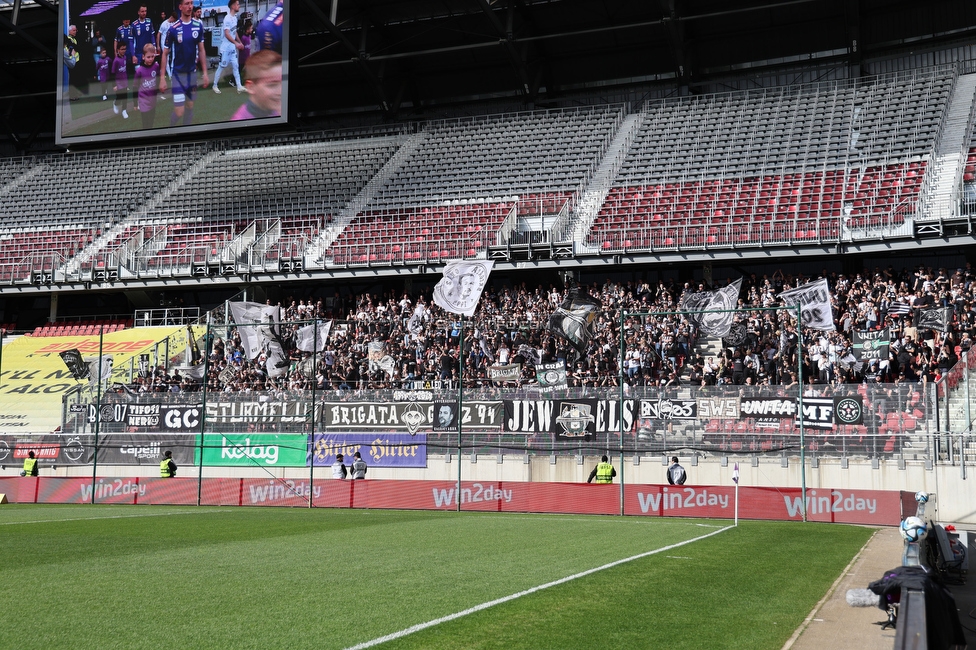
(257, 411)
(669, 409)
(407, 416)
(814, 301)
(721, 408)
(385, 450)
(872, 344)
(849, 410)
(768, 411)
(507, 373)
(35, 378)
(149, 417)
(567, 418)
(818, 413)
(551, 376)
(934, 319)
(254, 450)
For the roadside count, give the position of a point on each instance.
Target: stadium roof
(389, 60)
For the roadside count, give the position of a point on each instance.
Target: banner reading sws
(34, 376)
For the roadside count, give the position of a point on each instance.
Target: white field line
(505, 599)
(148, 514)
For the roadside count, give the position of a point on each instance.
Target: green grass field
(151, 577)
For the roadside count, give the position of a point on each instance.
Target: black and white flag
(76, 365)
(313, 338)
(379, 358)
(530, 354)
(416, 323)
(711, 311)
(460, 289)
(264, 335)
(934, 319)
(573, 319)
(814, 301)
(899, 308)
(872, 344)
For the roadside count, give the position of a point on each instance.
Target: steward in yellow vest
(603, 472)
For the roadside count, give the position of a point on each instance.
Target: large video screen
(133, 68)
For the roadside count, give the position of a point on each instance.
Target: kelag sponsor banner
(575, 418)
(255, 450)
(378, 450)
(875, 507)
(406, 416)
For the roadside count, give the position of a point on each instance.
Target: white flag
(460, 289)
(416, 323)
(814, 301)
(735, 473)
(305, 337)
(249, 313)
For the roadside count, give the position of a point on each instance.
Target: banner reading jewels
(386, 450)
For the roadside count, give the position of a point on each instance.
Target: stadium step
(940, 202)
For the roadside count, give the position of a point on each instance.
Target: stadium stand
(776, 166)
(442, 202)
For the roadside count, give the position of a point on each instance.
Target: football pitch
(155, 576)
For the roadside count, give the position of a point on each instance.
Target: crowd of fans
(412, 348)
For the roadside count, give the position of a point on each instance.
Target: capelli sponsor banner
(407, 416)
(568, 418)
(127, 449)
(378, 450)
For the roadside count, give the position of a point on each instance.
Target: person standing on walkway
(676, 473)
(603, 472)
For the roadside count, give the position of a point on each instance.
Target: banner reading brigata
(406, 416)
(386, 450)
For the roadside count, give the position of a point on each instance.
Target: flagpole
(459, 403)
(98, 409)
(620, 364)
(311, 436)
(799, 372)
(203, 417)
(735, 479)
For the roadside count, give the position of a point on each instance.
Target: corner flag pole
(735, 479)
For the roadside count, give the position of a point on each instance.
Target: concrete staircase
(596, 192)
(941, 200)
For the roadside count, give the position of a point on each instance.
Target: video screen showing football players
(132, 68)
